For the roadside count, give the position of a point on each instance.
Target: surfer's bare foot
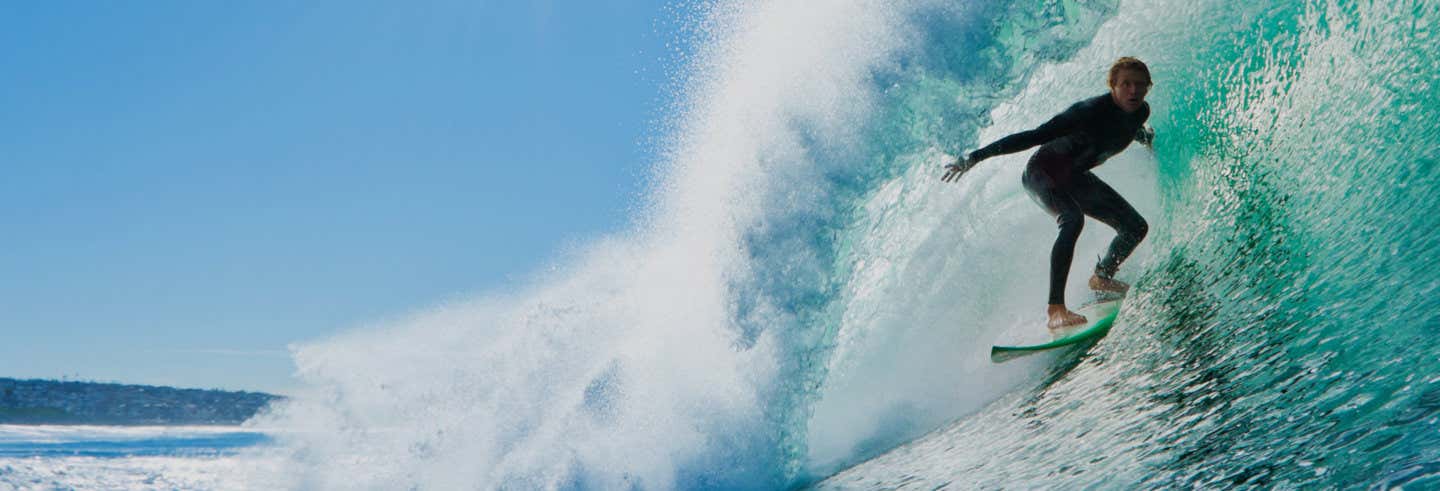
(1061, 317)
(1101, 284)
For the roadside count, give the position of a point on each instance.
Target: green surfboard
(1101, 315)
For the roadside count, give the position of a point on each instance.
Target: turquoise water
(803, 302)
(1283, 332)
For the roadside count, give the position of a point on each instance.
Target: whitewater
(801, 302)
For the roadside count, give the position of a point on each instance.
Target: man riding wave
(1058, 177)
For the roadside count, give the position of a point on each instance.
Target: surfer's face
(1129, 89)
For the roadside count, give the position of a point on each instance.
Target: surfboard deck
(1102, 316)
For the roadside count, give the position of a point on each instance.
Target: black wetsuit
(1058, 177)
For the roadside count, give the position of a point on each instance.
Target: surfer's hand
(1146, 136)
(955, 170)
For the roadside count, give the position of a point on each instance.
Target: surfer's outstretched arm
(1058, 126)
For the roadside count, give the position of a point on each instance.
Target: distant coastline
(94, 403)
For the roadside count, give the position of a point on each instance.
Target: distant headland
(66, 402)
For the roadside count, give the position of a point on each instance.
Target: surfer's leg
(1100, 201)
(1058, 202)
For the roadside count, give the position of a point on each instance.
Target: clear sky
(188, 187)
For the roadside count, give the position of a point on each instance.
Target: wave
(1284, 338)
(802, 293)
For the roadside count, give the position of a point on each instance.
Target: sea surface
(802, 302)
(37, 457)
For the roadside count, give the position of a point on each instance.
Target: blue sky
(188, 187)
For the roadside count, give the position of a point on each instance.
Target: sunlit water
(140, 457)
(802, 301)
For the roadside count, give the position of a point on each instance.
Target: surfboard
(1102, 316)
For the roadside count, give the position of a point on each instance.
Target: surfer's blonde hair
(1129, 63)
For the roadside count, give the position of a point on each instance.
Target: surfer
(1058, 177)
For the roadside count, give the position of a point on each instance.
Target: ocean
(56, 457)
(801, 302)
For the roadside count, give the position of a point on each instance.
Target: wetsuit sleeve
(1060, 125)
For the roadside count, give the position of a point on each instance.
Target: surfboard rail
(1107, 312)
